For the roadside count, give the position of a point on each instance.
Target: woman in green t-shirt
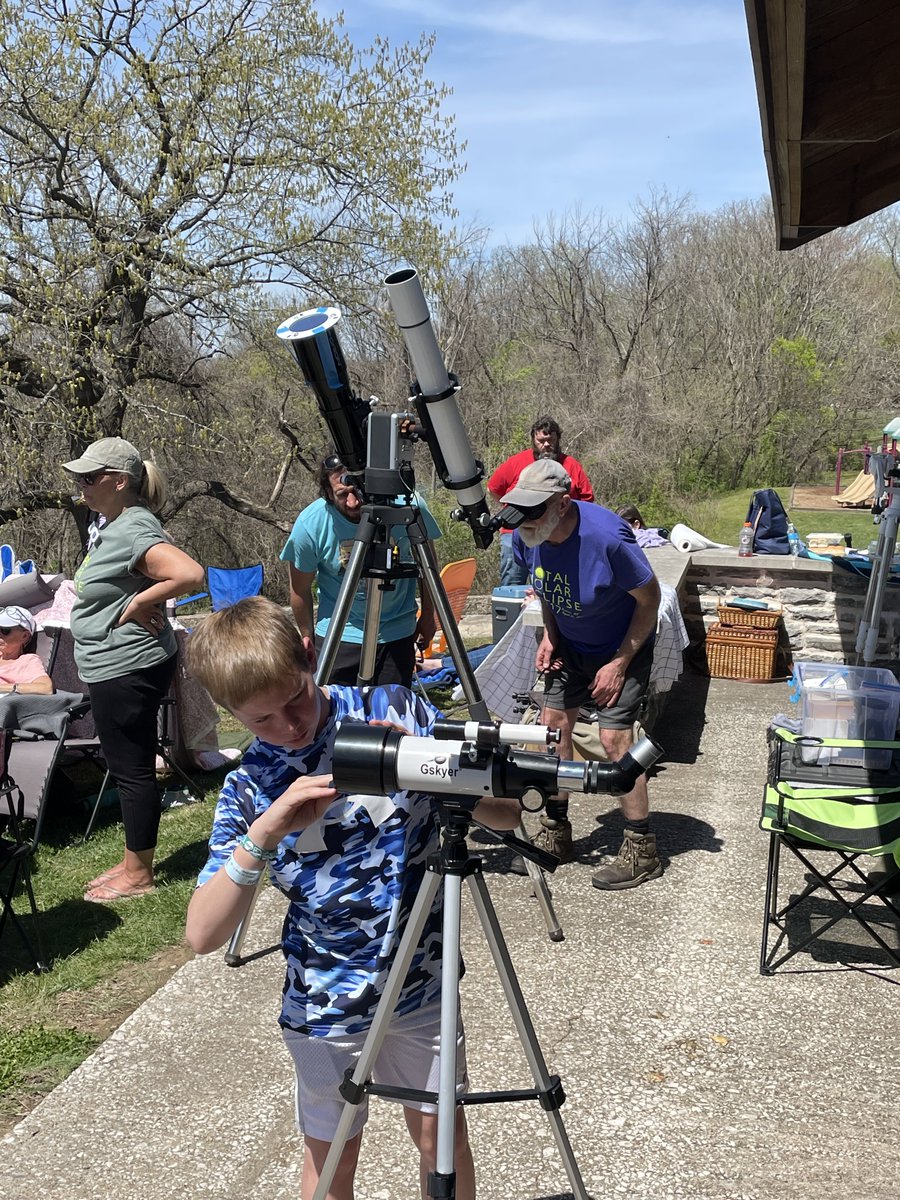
(124, 645)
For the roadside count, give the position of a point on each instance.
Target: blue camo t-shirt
(321, 541)
(585, 580)
(351, 877)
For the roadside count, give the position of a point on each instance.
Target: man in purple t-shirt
(600, 599)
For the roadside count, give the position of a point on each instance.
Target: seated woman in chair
(20, 672)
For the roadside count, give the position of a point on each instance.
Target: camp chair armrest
(188, 599)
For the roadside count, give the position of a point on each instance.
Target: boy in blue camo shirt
(351, 866)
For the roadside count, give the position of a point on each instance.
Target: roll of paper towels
(686, 539)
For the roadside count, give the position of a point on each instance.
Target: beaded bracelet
(241, 876)
(258, 852)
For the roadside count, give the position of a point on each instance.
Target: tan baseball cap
(109, 454)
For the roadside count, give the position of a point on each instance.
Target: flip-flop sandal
(113, 893)
(112, 873)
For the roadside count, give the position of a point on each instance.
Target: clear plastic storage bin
(856, 703)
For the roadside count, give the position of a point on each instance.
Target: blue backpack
(769, 519)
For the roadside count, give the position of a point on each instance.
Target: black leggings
(125, 712)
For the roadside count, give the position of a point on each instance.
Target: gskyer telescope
(476, 759)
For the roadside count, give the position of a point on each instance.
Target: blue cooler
(506, 604)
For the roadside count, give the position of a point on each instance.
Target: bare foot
(112, 873)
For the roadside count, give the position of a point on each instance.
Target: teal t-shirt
(321, 541)
(105, 583)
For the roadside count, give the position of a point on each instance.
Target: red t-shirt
(505, 478)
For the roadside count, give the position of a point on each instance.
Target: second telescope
(376, 759)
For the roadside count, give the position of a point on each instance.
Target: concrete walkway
(687, 1074)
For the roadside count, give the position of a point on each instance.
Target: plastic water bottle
(745, 545)
(794, 540)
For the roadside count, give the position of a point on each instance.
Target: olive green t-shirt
(105, 584)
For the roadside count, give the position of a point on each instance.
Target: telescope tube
(376, 759)
(312, 337)
(438, 409)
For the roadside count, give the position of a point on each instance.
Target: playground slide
(860, 492)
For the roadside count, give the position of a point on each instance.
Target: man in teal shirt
(318, 548)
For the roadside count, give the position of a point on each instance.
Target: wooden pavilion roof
(828, 83)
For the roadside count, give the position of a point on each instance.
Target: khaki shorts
(409, 1057)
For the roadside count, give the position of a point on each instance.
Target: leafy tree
(164, 164)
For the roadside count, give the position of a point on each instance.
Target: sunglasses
(333, 463)
(91, 478)
(5, 632)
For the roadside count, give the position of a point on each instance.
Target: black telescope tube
(365, 759)
(313, 340)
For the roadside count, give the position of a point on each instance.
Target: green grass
(720, 518)
(101, 956)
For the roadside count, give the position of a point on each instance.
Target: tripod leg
(541, 892)
(524, 1026)
(380, 1022)
(443, 1181)
(233, 951)
(328, 654)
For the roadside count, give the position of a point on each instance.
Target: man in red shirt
(545, 443)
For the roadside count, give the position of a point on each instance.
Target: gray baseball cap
(538, 482)
(109, 454)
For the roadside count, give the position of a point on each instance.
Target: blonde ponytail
(152, 490)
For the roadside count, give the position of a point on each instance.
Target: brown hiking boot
(635, 863)
(553, 836)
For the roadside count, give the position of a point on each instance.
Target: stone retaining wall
(822, 604)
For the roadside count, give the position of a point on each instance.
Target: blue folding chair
(227, 585)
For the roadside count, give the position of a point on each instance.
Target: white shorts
(409, 1057)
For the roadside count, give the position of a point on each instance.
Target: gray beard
(541, 531)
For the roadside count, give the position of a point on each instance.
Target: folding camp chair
(227, 585)
(457, 578)
(28, 762)
(817, 812)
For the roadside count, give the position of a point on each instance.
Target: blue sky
(586, 102)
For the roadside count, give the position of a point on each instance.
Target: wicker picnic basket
(750, 618)
(734, 653)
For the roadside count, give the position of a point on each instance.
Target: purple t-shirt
(585, 580)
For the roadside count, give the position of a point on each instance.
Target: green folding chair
(834, 828)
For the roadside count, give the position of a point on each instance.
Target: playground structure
(860, 493)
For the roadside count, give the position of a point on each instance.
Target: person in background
(318, 549)
(646, 537)
(546, 437)
(124, 645)
(20, 672)
(351, 867)
(600, 601)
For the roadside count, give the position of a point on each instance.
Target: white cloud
(602, 22)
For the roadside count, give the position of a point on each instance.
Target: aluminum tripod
(449, 868)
